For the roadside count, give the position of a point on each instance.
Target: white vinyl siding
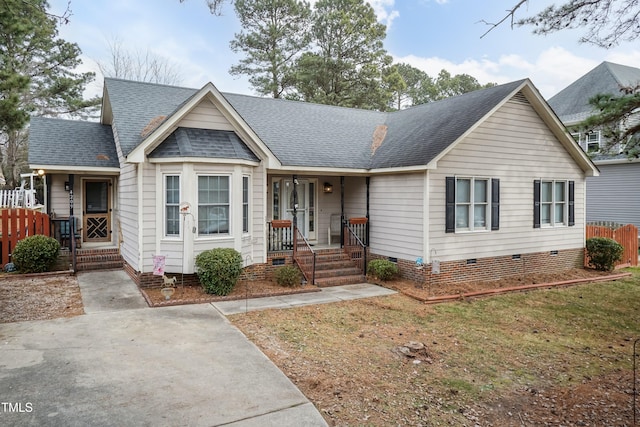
(397, 215)
(516, 147)
(205, 116)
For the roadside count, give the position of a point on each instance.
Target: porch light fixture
(67, 187)
(327, 187)
(40, 172)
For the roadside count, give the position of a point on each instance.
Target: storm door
(306, 205)
(97, 211)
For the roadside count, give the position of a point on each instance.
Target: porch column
(295, 202)
(72, 224)
(342, 219)
(368, 182)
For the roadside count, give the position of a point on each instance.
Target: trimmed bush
(288, 276)
(603, 253)
(382, 269)
(35, 254)
(218, 270)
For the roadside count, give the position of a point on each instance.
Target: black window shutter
(572, 199)
(536, 203)
(450, 214)
(495, 204)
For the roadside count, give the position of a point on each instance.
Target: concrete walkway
(126, 364)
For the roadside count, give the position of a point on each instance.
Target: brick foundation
(490, 268)
(252, 272)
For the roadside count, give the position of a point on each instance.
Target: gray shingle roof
(572, 103)
(135, 104)
(417, 135)
(207, 143)
(313, 135)
(71, 143)
(297, 133)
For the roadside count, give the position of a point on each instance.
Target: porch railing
(18, 198)
(354, 245)
(280, 235)
(304, 256)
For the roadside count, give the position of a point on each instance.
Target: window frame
(588, 142)
(246, 204)
(471, 204)
(175, 205)
(228, 205)
(567, 202)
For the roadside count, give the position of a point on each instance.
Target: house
(475, 187)
(608, 195)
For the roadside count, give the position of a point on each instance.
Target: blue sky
(428, 34)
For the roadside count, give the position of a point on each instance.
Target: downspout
(139, 179)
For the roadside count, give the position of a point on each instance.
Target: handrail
(355, 248)
(304, 256)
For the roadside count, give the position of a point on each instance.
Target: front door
(306, 206)
(96, 211)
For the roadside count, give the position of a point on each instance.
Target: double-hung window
(171, 205)
(472, 204)
(553, 203)
(245, 204)
(592, 142)
(213, 205)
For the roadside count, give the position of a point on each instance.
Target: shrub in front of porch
(218, 270)
(35, 254)
(288, 276)
(382, 269)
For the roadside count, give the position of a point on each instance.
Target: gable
(205, 115)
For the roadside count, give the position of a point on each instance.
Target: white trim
(616, 161)
(76, 170)
(426, 256)
(139, 187)
(205, 160)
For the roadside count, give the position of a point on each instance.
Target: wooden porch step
(98, 259)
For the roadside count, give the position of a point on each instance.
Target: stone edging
(215, 298)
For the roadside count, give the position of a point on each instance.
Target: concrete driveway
(119, 365)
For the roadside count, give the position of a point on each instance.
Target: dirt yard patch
(39, 297)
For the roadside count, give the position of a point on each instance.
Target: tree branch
(509, 14)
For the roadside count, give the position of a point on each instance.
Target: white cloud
(551, 70)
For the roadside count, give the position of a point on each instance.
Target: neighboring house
(611, 196)
(479, 186)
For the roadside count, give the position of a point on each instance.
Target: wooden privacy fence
(16, 224)
(626, 235)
